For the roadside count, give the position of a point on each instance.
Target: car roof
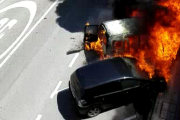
(121, 27)
(135, 69)
(103, 71)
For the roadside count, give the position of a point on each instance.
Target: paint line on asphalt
(1, 1)
(130, 118)
(56, 90)
(39, 117)
(32, 7)
(73, 60)
(30, 31)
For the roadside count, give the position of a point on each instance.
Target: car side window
(108, 88)
(129, 83)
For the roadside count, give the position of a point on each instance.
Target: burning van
(111, 32)
(149, 33)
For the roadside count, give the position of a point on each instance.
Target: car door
(117, 96)
(131, 90)
(102, 35)
(109, 94)
(91, 33)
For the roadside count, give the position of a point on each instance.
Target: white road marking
(15, 48)
(32, 7)
(39, 117)
(3, 22)
(9, 25)
(130, 118)
(56, 90)
(2, 35)
(1, 1)
(73, 60)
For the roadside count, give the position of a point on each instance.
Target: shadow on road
(128, 111)
(73, 14)
(68, 111)
(65, 106)
(91, 56)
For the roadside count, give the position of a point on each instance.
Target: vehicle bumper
(81, 110)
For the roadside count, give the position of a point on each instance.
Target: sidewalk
(167, 105)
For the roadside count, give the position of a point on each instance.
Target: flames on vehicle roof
(160, 46)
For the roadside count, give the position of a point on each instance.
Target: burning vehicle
(111, 32)
(151, 38)
(150, 34)
(112, 83)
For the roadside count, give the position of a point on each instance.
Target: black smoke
(147, 9)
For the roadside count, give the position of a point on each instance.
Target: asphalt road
(34, 68)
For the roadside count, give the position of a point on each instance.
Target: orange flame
(87, 24)
(159, 48)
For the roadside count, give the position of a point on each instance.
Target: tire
(93, 112)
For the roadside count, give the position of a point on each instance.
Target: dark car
(109, 84)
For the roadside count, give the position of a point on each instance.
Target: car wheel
(94, 112)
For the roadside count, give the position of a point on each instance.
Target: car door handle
(126, 92)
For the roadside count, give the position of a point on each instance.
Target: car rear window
(78, 89)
